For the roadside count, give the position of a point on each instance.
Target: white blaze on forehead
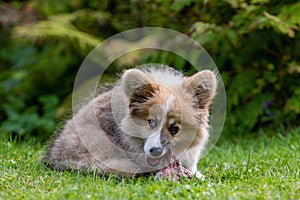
(169, 102)
(166, 108)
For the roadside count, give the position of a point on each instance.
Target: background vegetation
(255, 44)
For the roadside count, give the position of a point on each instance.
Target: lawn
(256, 167)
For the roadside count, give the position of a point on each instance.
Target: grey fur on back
(74, 148)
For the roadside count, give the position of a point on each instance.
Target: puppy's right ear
(134, 80)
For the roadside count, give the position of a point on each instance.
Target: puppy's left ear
(203, 85)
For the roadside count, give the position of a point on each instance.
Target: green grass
(240, 168)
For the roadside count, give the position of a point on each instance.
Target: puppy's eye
(173, 129)
(152, 123)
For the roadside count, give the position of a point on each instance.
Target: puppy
(134, 126)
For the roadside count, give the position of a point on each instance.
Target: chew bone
(174, 171)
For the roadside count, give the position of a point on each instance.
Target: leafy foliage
(22, 119)
(60, 26)
(254, 43)
(256, 50)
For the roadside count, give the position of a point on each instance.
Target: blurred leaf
(247, 115)
(280, 25)
(293, 103)
(180, 4)
(60, 26)
(241, 86)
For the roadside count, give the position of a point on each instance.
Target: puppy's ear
(203, 85)
(133, 79)
(139, 88)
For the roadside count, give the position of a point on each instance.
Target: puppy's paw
(199, 176)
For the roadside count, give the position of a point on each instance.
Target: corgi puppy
(133, 127)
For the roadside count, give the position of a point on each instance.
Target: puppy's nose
(156, 151)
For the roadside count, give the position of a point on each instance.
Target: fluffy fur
(134, 127)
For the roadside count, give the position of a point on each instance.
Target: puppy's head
(167, 110)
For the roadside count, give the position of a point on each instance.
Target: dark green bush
(254, 43)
